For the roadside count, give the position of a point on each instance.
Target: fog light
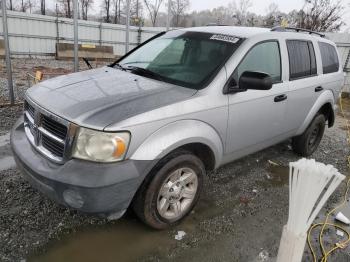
(73, 198)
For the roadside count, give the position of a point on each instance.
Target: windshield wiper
(145, 72)
(120, 67)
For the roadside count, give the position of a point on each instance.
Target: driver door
(257, 117)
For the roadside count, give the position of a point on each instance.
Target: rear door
(304, 83)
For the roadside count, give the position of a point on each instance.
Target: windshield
(189, 59)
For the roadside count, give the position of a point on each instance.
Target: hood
(100, 97)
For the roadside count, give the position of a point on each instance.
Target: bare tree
(42, 7)
(107, 9)
(272, 15)
(85, 5)
(136, 12)
(153, 9)
(31, 5)
(178, 8)
(117, 11)
(240, 11)
(11, 5)
(66, 8)
(321, 15)
(23, 6)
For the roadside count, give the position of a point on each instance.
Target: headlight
(101, 146)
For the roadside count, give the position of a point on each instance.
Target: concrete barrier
(2, 48)
(92, 52)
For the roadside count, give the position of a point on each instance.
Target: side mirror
(255, 80)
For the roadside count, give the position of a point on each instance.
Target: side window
(330, 62)
(264, 57)
(302, 59)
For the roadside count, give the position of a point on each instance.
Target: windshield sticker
(225, 38)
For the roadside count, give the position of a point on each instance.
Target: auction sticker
(225, 38)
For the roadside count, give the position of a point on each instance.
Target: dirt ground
(239, 217)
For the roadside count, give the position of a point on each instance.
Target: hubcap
(177, 193)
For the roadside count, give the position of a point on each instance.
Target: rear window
(330, 62)
(302, 59)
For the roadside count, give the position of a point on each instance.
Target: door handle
(318, 89)
(280, 98)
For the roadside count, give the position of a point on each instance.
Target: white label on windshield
(226, 38)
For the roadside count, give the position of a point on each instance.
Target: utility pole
(7, 53)
(127, 26)
(76, 60)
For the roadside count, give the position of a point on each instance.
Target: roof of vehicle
(239, 31)
(247, 32)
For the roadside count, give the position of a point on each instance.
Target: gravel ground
(23, 67)
(239, 217)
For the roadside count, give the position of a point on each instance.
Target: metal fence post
(57, 28)
(127, 26)
(7, 53)
(139, 35)
(76, 61)
(168, 16)
(100, 35)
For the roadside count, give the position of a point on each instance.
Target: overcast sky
(259, 6)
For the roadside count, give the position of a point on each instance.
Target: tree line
(317, 15)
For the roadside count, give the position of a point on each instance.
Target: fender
(177, 134)
(325, 97)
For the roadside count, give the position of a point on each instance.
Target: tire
(166, 184)
(307, 143)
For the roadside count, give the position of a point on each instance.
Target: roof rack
(296, 29)
(215, 24)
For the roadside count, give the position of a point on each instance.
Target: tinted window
(302, 60)
(264, 57)
(312, 59)
(329, 57)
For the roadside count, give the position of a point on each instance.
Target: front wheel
(307, 143)
(171, 191)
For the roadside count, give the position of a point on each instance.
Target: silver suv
(144, 131)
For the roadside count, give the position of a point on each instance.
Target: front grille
(29, 108)
(46, 132)
(53, 146)
(54, 127)
(32, 128)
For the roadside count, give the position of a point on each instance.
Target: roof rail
(296, 29)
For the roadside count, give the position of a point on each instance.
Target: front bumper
(104, 188)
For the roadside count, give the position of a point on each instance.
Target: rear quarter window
(302, 59)
(329, 57)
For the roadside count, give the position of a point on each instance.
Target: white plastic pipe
(310, 185)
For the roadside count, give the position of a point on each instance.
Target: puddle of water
(7, 163)
(277, 176)
(126, 240)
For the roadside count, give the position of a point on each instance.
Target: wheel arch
(328, 112)
(195, 136)
(323, 104)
